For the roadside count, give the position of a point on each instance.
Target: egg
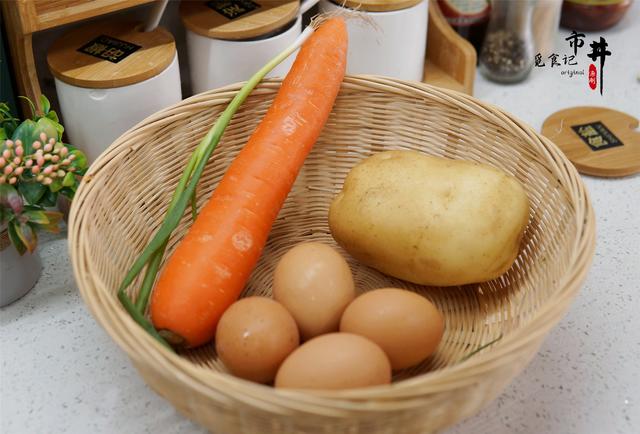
(254, 336)
(335, 361)
(314, 282)
(407, 326)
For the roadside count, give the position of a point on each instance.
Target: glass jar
(507, 53)
(593, 15)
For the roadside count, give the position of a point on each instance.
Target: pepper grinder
(508, 49)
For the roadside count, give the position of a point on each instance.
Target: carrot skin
(212, 263)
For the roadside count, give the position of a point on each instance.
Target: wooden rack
(26, 17)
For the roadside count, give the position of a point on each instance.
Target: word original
(598, 53)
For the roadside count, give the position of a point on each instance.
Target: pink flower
(47, 181)
(18, 171)
(9, 143)
(28, 163)
(35, 169)
(43, 137)
(47, 170)
(19, 151)
(61, 173)
(6, 154)
(39, 178)
(13, 180)
(64, 151)
(36, 144)
(2, 161)
(17, 161)
(48, 147)
(7, 170)
(18, 142)
(55, 158)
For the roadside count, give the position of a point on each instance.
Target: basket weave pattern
(123, 199)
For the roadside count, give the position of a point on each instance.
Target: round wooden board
(378, 5)
(67, 63)
(597, 140)
(237, 19)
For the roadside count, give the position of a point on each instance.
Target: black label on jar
(597, 136)
(232, 8)
(108, 48)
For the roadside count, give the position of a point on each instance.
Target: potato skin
(430, 220)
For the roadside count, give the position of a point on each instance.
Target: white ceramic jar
(393, 45)
(94, 118)
(229, 43)
(106, 85)
(218, 62)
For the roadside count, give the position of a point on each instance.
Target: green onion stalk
(184, 195)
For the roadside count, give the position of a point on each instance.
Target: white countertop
(61, 373)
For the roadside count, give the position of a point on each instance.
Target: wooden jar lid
(378, 5)
(237, 19)
(597, 140)
(110, 54)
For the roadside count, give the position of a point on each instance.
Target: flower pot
(18, 274)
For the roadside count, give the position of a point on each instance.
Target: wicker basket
(123, 199)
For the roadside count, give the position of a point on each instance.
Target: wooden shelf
(451, 59)
(25, 17)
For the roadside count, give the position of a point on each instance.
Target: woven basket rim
(403, 394)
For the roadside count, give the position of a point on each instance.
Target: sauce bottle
(592, 15)
(469, 18)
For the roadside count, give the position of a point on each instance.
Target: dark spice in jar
(505, 55)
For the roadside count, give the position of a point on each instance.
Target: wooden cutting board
(598, 141)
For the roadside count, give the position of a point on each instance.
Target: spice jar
(508, 50)
(593, 15)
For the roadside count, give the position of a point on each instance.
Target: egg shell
(254, 336)
(314, 282)
(335, 361)
(406, 325)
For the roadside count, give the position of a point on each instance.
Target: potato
(430, 220)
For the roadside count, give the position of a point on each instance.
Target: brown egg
(335, 361)
(314, 282)
(254, 336)
(407, 326)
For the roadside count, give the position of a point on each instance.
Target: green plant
(35, 167)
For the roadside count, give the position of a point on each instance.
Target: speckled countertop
(61, 373)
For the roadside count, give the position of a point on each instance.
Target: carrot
(212, 263)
